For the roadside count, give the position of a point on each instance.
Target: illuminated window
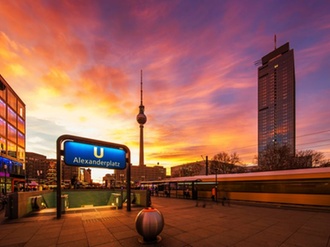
(2, 90)
(2, 108)
(21, 139)
(12, 117)
(2, 127)
(12, 149)
(12, 133)
(12, 100)
(2, 145)
(20, 153)
(21, 125)
(21, 111)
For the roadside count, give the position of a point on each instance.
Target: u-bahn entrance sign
(84, 152)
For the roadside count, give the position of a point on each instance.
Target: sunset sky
(76, 65)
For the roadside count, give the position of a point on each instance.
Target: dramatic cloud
(76, 65)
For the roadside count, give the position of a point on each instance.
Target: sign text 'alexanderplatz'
(88, 155)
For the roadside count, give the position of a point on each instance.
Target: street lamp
(5, 169)
(216, 184)
(39, 172)
(206, 164)
(122, 175)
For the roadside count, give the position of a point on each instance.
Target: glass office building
(276, 99)
(12, 138)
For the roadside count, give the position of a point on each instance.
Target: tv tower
(141, 119)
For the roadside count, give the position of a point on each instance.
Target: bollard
(149, 224)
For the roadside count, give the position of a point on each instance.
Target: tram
(310, 186)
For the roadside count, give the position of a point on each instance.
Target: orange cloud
(77, 67)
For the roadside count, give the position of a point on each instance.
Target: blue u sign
(88, 155)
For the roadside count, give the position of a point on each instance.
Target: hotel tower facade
(276, 99)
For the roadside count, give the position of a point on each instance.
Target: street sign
(88, 155)
(84, 152)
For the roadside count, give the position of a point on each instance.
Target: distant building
(70, 172)
(12, 138)
(85, 175)
(189, 169)
(43, 170)
(36, 167)
(140, 173)
(276, 99)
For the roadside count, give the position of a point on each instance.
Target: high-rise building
(12, 138)
(276, 99)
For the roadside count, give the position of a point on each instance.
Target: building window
(20, 154)
(12, 149)
(21, 139)
(12, 133)
(21, 111)
(12, 117)
(12, 100)
(2, 127)
(2, 145)
(2, 109)
(21, 125)
(2, 90)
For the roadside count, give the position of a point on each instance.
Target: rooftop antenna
(275, 42)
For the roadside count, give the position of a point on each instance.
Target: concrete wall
(21, 204)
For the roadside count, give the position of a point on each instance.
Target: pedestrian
(187, 194)
(195, 193)
(213, 193)
(225, 198)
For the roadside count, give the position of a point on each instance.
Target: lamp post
(216, 184)
(27, 178)
(39, 172)
(5, 169)
(206, 164)
(122, 175)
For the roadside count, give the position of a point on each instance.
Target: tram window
(279, 186)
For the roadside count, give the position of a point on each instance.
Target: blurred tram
(309, 187)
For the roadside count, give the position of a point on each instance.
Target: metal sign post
(79, 151)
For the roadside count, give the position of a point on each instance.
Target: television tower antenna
(141, 89)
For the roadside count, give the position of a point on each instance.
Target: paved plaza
(186, 224)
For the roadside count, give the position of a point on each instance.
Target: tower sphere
(141, 118)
